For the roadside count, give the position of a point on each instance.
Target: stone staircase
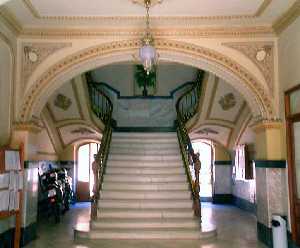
(145, 193)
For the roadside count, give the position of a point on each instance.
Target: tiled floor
(236, 229)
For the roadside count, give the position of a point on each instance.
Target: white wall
(5, 93)
(169, 77)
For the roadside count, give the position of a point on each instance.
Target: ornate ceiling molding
(287, 18)
(33, 54)
(109, 25)
(248, 81)
(261, 54)
(217, 32)
(35, 13)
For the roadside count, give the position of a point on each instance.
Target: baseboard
(28, 234)
(244, 204)
(206, 199)
(264, 235)
(222, 199)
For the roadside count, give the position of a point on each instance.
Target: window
(243, 167)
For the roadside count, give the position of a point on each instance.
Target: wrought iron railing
(186, 107)
(102, 108)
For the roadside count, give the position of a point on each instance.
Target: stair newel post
(95, 168)
(197, 167)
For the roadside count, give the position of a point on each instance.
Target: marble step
(145, 178)
(134, 194)
(144, 171)
(145, 204)
(144, 135)
(145, 186)
(139, 145)
(147, 164)
(141, 140)
(142, 151)
(132, 157)
(148, 223)
(147, 233)
(145, 213)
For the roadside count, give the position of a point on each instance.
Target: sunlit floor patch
(236, 229)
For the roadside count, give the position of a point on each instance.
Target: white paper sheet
(4, 180)
(4, 200)
(12, 160)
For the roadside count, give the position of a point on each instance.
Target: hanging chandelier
(147, 53)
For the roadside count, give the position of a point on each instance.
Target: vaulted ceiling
(124, 13)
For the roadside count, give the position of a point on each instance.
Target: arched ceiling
(68, 118)
(223, 114)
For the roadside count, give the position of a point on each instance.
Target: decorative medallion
(261, 54)
(142, 2)
(62, 102)
(207, 131)
(35, 53)
(82, 131)
(227, 102)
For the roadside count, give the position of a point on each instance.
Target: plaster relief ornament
(261, 54)
(207, 131)
(142, 2)
(227, 102)
(82, 131)
(35, 53)
(62, 102)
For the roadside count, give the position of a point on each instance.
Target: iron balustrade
(102, 108)
(186, 107)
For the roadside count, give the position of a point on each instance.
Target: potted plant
(143, 79)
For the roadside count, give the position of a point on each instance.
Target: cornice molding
(186, 27)
(35, 13)
(287, 18)
(213, 32)
(10, 20)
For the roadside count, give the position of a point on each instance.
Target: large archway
(256, 95)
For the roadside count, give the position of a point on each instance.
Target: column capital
(32, 127)
(264, 125)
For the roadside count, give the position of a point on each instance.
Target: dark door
(292, 100)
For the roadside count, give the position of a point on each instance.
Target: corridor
(236, 229)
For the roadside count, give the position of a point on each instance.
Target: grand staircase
(144, 188)
(145, 192)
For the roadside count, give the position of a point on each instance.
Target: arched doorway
(84, 172)
(206, 151)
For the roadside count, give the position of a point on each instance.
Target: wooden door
(292, 101)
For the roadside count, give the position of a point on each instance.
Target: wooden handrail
(103, 108)
(186, 107)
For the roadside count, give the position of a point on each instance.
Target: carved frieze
(35, 53)
(261, 54)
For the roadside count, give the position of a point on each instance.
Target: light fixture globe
(147, 56)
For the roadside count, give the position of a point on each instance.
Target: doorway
(205, 149)
(85, 175)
